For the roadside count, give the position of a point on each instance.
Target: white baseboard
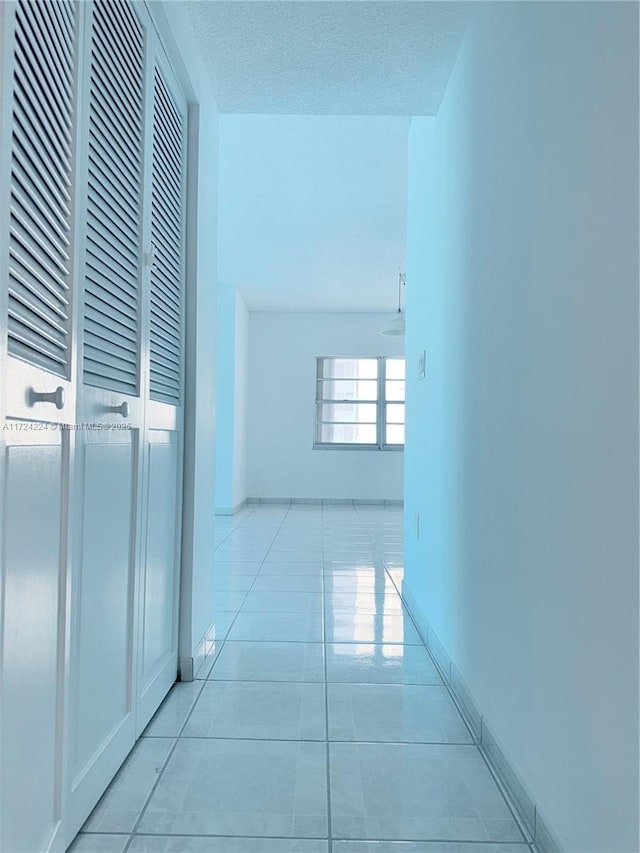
(522, 803)
(228, 510)
(198, 666)
(326, 502)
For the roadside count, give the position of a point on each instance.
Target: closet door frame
(161, 419)
(16, 408)
(6, 43)
(92, 407)
(18, 373)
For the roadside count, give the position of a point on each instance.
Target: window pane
(351, 412)
(395, 368)
(395, 413)
(395, 434)
(348, 368)
(347, 389)
(347, 433)
(394, 389)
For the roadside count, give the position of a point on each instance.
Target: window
(360, 403)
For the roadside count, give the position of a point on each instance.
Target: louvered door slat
(100, 206)
(168, 260)
(103, 109)
(113, 89)
(59, 30)
(108, 46)
(162, 329)
(170, 161)
(169, 369)
(113, 273)
(49, 27)
(22, 258)
(38, 162)
(113, 355)
(102, 161)
(110, 287)
(101, 179)
(166, 349)
(129, 32)
(41, 176)
(29, 227)
(169, 248)
(111, 312)
(165, 309)
(40, 121)
(167, 226)
(30, 39)
(46, 219)
(107, 273)
(118, 305)
(43, 317)
(99, 183)
(114, 237)
(105, 324)
(23, 268)
(112, 338)
(168, 114)
(34, 327)
(98, 373)
(61, 22)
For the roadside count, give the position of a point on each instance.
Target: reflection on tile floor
(322, 725)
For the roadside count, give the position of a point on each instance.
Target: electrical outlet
(422, 365)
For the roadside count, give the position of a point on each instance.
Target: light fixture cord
(401, 280)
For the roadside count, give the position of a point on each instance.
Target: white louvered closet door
(37, 162)
(158, 633)
(111, 389)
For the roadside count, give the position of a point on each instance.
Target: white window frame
(381, 407)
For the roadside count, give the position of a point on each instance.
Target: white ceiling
(336, 57)
(312, 212)
(315, 98)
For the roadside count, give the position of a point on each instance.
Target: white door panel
(37, 256)
(158, 659)
(110, 404)
(32, 637)
(104, 604)
(102, 727)
(159, 601)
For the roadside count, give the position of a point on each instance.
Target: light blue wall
(522, 441)
(196, 579)
(225, 394)
(232, 350)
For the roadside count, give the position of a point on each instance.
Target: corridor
(322, 725)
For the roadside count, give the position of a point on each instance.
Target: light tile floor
(322, 725)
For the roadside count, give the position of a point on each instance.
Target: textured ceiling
(333, 58)
(312, 211)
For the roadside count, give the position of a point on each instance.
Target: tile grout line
(351, 742)
(132, 834)
(498, 782)
(183, 726)
(349, 840)
(233, 529)
(233, 621)
(326, 694)
(161, 773)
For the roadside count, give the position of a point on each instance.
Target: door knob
(56, 397)
(122, 409)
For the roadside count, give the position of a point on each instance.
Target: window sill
(391, 447)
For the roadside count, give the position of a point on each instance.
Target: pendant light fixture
(395, 325)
